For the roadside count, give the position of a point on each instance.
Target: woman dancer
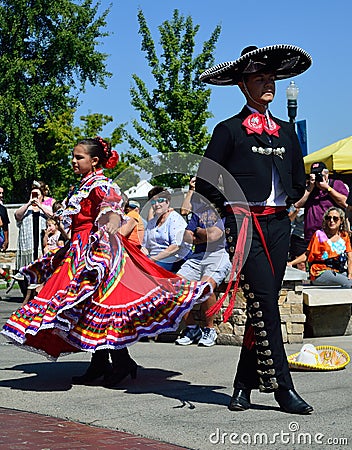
(90, 300)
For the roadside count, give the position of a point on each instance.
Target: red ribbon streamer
(237, 261)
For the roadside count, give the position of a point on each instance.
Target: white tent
(141, 190)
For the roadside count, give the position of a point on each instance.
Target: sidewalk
(27, 430)
(179, 398)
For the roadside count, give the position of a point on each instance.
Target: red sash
(237, 261)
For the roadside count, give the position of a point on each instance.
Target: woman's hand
(349, 265)
(22, 211)
(35, 202)
(113, 224)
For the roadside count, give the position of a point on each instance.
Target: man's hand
(311, 183)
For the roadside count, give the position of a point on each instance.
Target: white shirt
(157, 238)
(277, 196)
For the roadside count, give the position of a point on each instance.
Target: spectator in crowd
(52, 236)
(163, 236)
(329, 253)
(186, 207)
(297, 242)
(260, 153)
(52, 241)
(134, 227)
(349, 208)
(47, 200)
(208, 262)
(58, 209)
(4, 225)
(321, 193)
(31, 221)
(4, 233)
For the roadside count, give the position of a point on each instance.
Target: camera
(319, 177)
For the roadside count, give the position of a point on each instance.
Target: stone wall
(291, 312)
(290, 306)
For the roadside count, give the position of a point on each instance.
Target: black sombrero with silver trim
(285, 61)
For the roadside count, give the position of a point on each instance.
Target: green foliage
(174, 113)
(48, 52)
(60, 131)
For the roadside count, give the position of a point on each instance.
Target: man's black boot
(291, 402)
(240, 400)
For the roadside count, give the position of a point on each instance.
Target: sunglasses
(158, 200)
(334, 218)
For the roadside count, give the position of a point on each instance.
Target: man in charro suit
(258, 160)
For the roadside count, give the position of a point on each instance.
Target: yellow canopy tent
(337, 156)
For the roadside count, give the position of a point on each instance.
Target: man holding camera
(321, 193)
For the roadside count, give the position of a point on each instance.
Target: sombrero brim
(285, 61)
(333, 358)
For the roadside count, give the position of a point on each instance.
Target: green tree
(61, 132)
(48, 53)
(173, 114)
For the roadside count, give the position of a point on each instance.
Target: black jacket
(245, 161)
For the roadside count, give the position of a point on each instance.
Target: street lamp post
(291, 95)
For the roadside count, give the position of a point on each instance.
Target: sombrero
(284, 60)
(322, 358)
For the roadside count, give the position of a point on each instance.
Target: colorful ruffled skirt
(99, 293)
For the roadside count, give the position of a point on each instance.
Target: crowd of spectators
(191, 243)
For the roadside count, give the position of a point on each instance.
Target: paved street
(180, 397)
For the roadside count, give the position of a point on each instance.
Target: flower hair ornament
(112, 156)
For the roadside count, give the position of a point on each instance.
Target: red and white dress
(100, 291)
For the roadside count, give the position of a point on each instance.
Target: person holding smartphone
(321, 193)
(31, 221)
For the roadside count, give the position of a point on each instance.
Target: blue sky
(322, 28)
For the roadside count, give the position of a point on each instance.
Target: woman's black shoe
(240, 400)
(291, 402)
(88, 378)
(99, 367)
(118, 374)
